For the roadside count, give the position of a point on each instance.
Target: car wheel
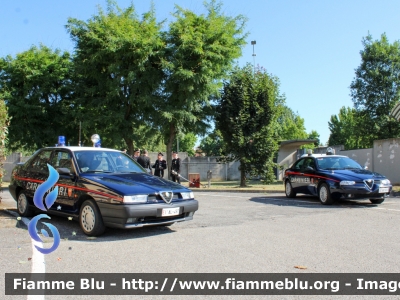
(324, 194)
(289, 190)
(90, 219)
(23, 205)
(377, 201)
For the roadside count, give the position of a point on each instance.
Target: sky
(312, 46)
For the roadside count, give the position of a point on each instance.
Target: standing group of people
(160, 164)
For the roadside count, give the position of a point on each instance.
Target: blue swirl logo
(49, 201)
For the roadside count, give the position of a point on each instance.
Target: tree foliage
(118, 67)
(247, 118)
(186, 143)
(200, 50)
(213, 144)
(291, 125)
(314, 135)
(375, 90)
(129, 80)
(344, 129)
(36, 86)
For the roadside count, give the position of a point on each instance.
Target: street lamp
(254, 56)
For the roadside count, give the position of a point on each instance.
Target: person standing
(144, 161)
(176, 166)
(160, 165)
(136, 154)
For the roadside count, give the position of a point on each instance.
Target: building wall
(386, 156)
(364, 157)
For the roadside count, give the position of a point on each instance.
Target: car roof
(322, 155)
(77, 148)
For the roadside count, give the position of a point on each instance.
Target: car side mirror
(310, 168)
(66, 172)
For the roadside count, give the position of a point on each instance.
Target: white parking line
(382, 208)
(38, 261)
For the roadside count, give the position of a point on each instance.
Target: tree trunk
(242, 175)
(129, 143)
(172, 133)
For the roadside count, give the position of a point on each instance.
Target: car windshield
(337, 163)
(103, 161)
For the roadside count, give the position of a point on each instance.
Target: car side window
(299, 165)
(39, 164)
(309, 162)
(62, 159)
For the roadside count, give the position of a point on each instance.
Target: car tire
(289, 190)
(377, 201)
(90, 219)
(324, 194)
(23, 205)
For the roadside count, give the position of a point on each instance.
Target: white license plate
(170, 212)
(383, 190)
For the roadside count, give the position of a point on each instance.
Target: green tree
(376, 89)
(200, 50)
(344, 129)
(186, 143)
(36, 86)
(213, 144)
(314, 135)
(247, 118)
(291, 125)
(118, 66)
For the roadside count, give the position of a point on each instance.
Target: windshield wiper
(97, 171)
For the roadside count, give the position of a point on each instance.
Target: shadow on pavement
(306, 201)
(70, 229)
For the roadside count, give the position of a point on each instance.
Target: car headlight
(385, 181)
(135, 199)
(347, 182)
(187, 195)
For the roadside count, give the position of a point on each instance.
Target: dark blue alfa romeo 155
(101, 188)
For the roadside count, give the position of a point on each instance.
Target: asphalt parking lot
(231, 233)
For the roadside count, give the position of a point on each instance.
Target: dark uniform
(176, 166)
(144, 161)
(160, 165)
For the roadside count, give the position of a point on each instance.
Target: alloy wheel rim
(323, 194)
(288, 188)
(88, 218)
(22, 203)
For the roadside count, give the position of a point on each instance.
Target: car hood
(133, 183)
(355, 174)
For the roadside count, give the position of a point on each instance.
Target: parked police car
(331, 177)
(100, 187)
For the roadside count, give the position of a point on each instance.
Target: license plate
(170, 212)
(383, 190)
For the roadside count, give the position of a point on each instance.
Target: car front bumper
(140, 215)
(361, 191)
